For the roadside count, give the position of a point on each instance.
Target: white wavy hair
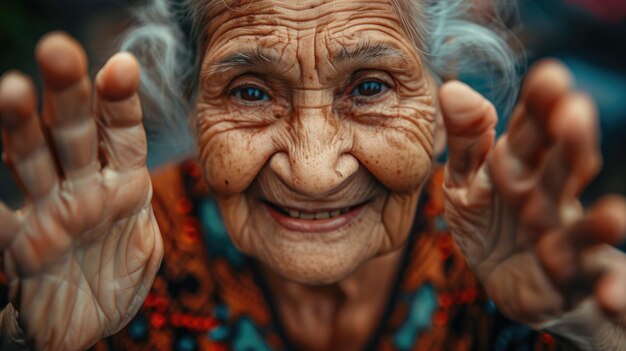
(452, 40)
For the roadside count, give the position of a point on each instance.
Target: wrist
(588, 329)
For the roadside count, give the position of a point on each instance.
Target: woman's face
(315, 121)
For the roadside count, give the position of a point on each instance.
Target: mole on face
(312, 116)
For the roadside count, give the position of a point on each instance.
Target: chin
(315, 267)
(313, 258)
(316, 241)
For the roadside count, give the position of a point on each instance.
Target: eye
(370, 88)
(251, 94)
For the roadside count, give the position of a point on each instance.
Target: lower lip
(314, 225)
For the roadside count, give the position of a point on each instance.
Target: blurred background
(589, 36)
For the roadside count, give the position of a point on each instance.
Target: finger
(576, 273)
(119, 113)
(469, 119)
(569, 166)
(559, 259)
(605, 222)
(25, 147)
(607, 267)
(610, 292)
(67, 105)
(575, 159)
(10, 226)
(519, 154)
(529, 131)
(569, 256)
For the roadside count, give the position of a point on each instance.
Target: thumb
(469, 120)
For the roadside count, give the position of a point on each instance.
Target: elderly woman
(317, 124)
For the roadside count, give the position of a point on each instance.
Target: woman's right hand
(81, 255)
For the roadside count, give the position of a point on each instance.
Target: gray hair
(453, 41)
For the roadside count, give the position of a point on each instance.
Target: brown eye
(370, 88)
(252, 94)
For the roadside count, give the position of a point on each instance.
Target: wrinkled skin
(304, 127)
(514, 212)
(313, 144)
(81, 255)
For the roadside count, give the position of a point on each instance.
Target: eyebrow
(247, 58)
(365, 52)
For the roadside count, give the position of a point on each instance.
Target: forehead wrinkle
(335, 56)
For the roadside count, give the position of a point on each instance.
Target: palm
(496, 248)
(513, 207)
(81, 255)
(75, 269)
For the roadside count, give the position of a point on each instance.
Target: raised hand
(514, 212)
(81, 255)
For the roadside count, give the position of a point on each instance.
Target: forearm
(11, 335)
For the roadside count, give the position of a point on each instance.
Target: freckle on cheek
(226, 182)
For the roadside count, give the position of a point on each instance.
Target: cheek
(231, 158)
(401, 160)
(394, 141)
(398, 216)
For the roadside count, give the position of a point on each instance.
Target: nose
(317, 161)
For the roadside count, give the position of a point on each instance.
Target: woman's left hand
(513, 209)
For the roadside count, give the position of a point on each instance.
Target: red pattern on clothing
(459, 322)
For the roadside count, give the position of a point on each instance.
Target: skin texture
(513, 209)
(81, 255)
(296, 130)
(313, 145)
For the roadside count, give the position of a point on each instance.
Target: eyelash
(252, 91)
(264, 96)
(369, 83)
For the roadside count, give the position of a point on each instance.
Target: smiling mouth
(313, 221)
(302, 214)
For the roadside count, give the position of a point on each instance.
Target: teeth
(307, 215)
(318, 215)
(322, 215)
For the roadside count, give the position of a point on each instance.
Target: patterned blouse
(209, 296)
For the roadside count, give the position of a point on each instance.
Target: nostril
(313, 176)
(279, 163)
(347, 165)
